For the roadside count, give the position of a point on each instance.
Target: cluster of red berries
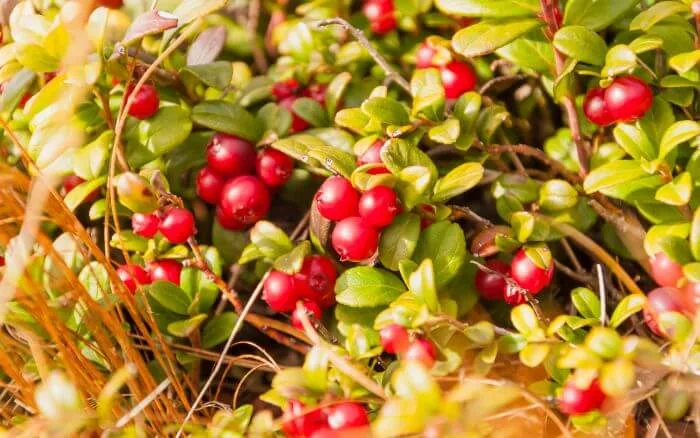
(577, 401)
(395, 339)
(238, 182)
(525, 272)
(145, 103)
(381, 15)
(313, 285)
(298, 421)
(626, 99)
(133, 275)
(287, 92)
(360, 218)
(457, 77)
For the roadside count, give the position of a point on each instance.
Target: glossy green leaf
(335, 90)
(488, 35)
(422, 284)
(271, 240)
(613, 174)
(166, 130)
(657, 12)
(596, 14)
(76, 196)
(581, 43)
(586, 302)
(399, 240)
(676, 192)
(629, 305)
(619, 59)
(311, 111)
(226, 117)
(678, 133)
(386, 110)
(604, 341)
(457, 181)
(186, 327)
(365, 286)
(443, 243)
(428, 94)
(214, 74)
(634, 141)
(557, 194)
(684, 62)
(524, 319)
(489, 8)
(170, 297)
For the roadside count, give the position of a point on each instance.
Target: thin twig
(601, 293)
(460, 211)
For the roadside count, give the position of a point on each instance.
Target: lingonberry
(354, 239)
(394, 339)
(424, 56)
(230, 156)
(177, 225)
(514, 295)
(316, 280)
(577, 401)
(337, 199)
(347, 415)
(528, 274)
(379, 206)
(209, 185)
(282, 90)
(166, 270)
(457, 78)
(132, 276)
(145, 225)
(273, 167)
(245, 199)
(628, 98)
(381, 15)
(595, 108)
(372, 155)
(421, 350)
(298, 421)
(660, 301)
(2, 261)
(72, 181)
(492, 286)
(227, 221)
(145, 102)
(279, 292)
(665, 271)
(308, 308)
(298, 124)
(112, 4)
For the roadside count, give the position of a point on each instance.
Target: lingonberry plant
(359, 218)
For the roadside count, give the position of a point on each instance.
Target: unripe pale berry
(457, 79)
(491, 286)
(316, 280)
(337, 199)
(132, 276)
(354, 239)
(245, 200)
(209, 185)
(528, 275)
(166, 270)
(379, 206)
(311, 309)
(576, 401)
(394, 339)
(421, 350)
(279, 292)
(273, 167)
(145, 225)
(145, 103)
(230, 156)
(665, 271)
(177, 225)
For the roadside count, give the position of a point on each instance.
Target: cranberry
(324, 432)
(273, 167)
(298, 124)
(576, 401)
(209, 185)
(177, 225)
(72, 181)
(492, 286)
(373, 156)
(457, 79)
(421, 350)
(227, 221)
(347, 415)
(112, 4)
(310, 308)
(354, 239)
(528, 275)
(337, 199)
(145, 225)
(145, 103)
(595, 108)
(284, 89)
(628, 98)
(245, 199)
(316, 280)
(665, 271)
(381, 15)
(132, 276)
(514, 295)
(379, 206)
(424, 56)
(394, 339)
(166, 270)
(279, 292)
(299, 422)
(660, 301)
(230, 156)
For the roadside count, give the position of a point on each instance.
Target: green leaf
(634, 141)
(149, 23)
(226, 117)
(291, 262)
(37, 58)
(135, 193)
(619, 59)
(457, 181)
(523, 224)
(684, 62)
(580, 43)
(676, 134)
(335, 90)
(645, 43)
(128, 241)
(399, 154)
(214, 74)
(218, 329)
(466, 110)
(488, 35)
(76, 196)
(353, 119)
(91, 160)
(586, 302)
(695, 235)
(676, 326)
(489, 8)
(271, 240)
(531, 51)
(649, 17)
(365, 286)
(311, 111)
(604, 341)
(298, 147)
(170, 296)
(657, 120)
(617, 377)
(446, 132)
(188, 11)
(533, 354)
(613, 174)
(596, 14)
(422, 284)
(399, 240)
(186, 327)
(557, 194)
(15, 88)
(629, 305)
(524, 319)
(444, 244)
(388, 111)
(676, 192)
(428, 94)
(167, 129)
(316, 369)
(334, 159)
(489, 120)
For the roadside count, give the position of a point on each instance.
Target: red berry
(177, 225)
(373, 156)
(595, 108)
(209, 185)
(354, 239)
(284, 89)
(132, 276)
(457, 79)
(337, 199)
(309, 308)
(145, 103)
(381, 15)
(2, 261)
(317, 92)
(145, 225)
(279, 292)
(691, 293)
(421, 350)
(300, 422)
(166, 270)
(665, 271)
(245, 199)
(660, 301)
(492, 286)
(394, 339)
(528, 275)
(230, 156)
(576, 401)
(316, 280)
(347, 415)
(514, 295)
(112, 4)
(628, 98)
(227, 221)
(379, 206)
(424, 56)
(72, 181)
(273, 167)
(298, 124)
